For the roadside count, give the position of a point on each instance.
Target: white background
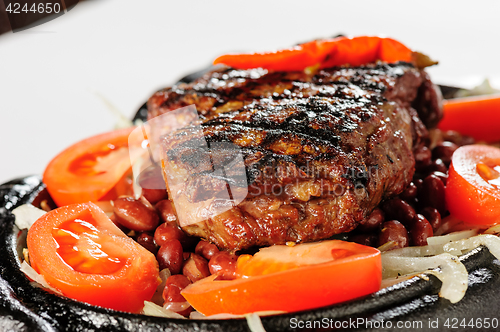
(51, 76)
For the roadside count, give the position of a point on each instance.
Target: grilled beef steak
(321, 150)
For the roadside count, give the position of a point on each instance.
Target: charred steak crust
(321, 149)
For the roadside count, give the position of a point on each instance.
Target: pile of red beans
(415, 214)
(406, 220)
(187, 258)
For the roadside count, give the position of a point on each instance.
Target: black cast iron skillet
(26, 308)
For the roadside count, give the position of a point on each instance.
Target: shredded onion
(387, 282)
(176, 306)
(416, 251)
(436, 245)
(136, 170)
(443, 239)
(387, 246)
(152, 309)
(26, 215)
(38, 279)
(254, 323)
(451, 272)
(198, 315)
(493, 230)
(164, 275)
(492, 242)
(451, 224)
(158, 295)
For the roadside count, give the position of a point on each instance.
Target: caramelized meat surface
(321, 149)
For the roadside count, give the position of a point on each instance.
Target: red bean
(444, 151)
(399, 210)
(367, 239)
(147, 241)
(170, 256)
(418, 184)
(373, 222)
(206, 249)
(167, 212)
(457, 138)
(432, 193)
(173, 287)
(134, 215)
(393, 231)
(172, 293)
(154, 195)
(196, 268)
(433, 216)
(152, 183)
(466, 140)
(422, 158)
(223, 264)
(410, 193)
(166, 232)
(437, 166)
(420, 230)
(442, 176)
(120, 226)
(452, 136)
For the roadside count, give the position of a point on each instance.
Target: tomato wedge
(81, 252)
(325, 53)
(89, 169)
(473, 116)
(473, 185)
(289, 279)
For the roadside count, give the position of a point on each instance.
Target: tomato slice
(473, 185)
(81, 252)
(473, 116)
(289, 279)
(90, 169)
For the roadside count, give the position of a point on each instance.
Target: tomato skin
(292, 289)
(468, 196)
(70, 180)
(325, 53)
(124, 289)
(473, 116)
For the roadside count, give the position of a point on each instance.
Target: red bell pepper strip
(478, 117)
(325, 53)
